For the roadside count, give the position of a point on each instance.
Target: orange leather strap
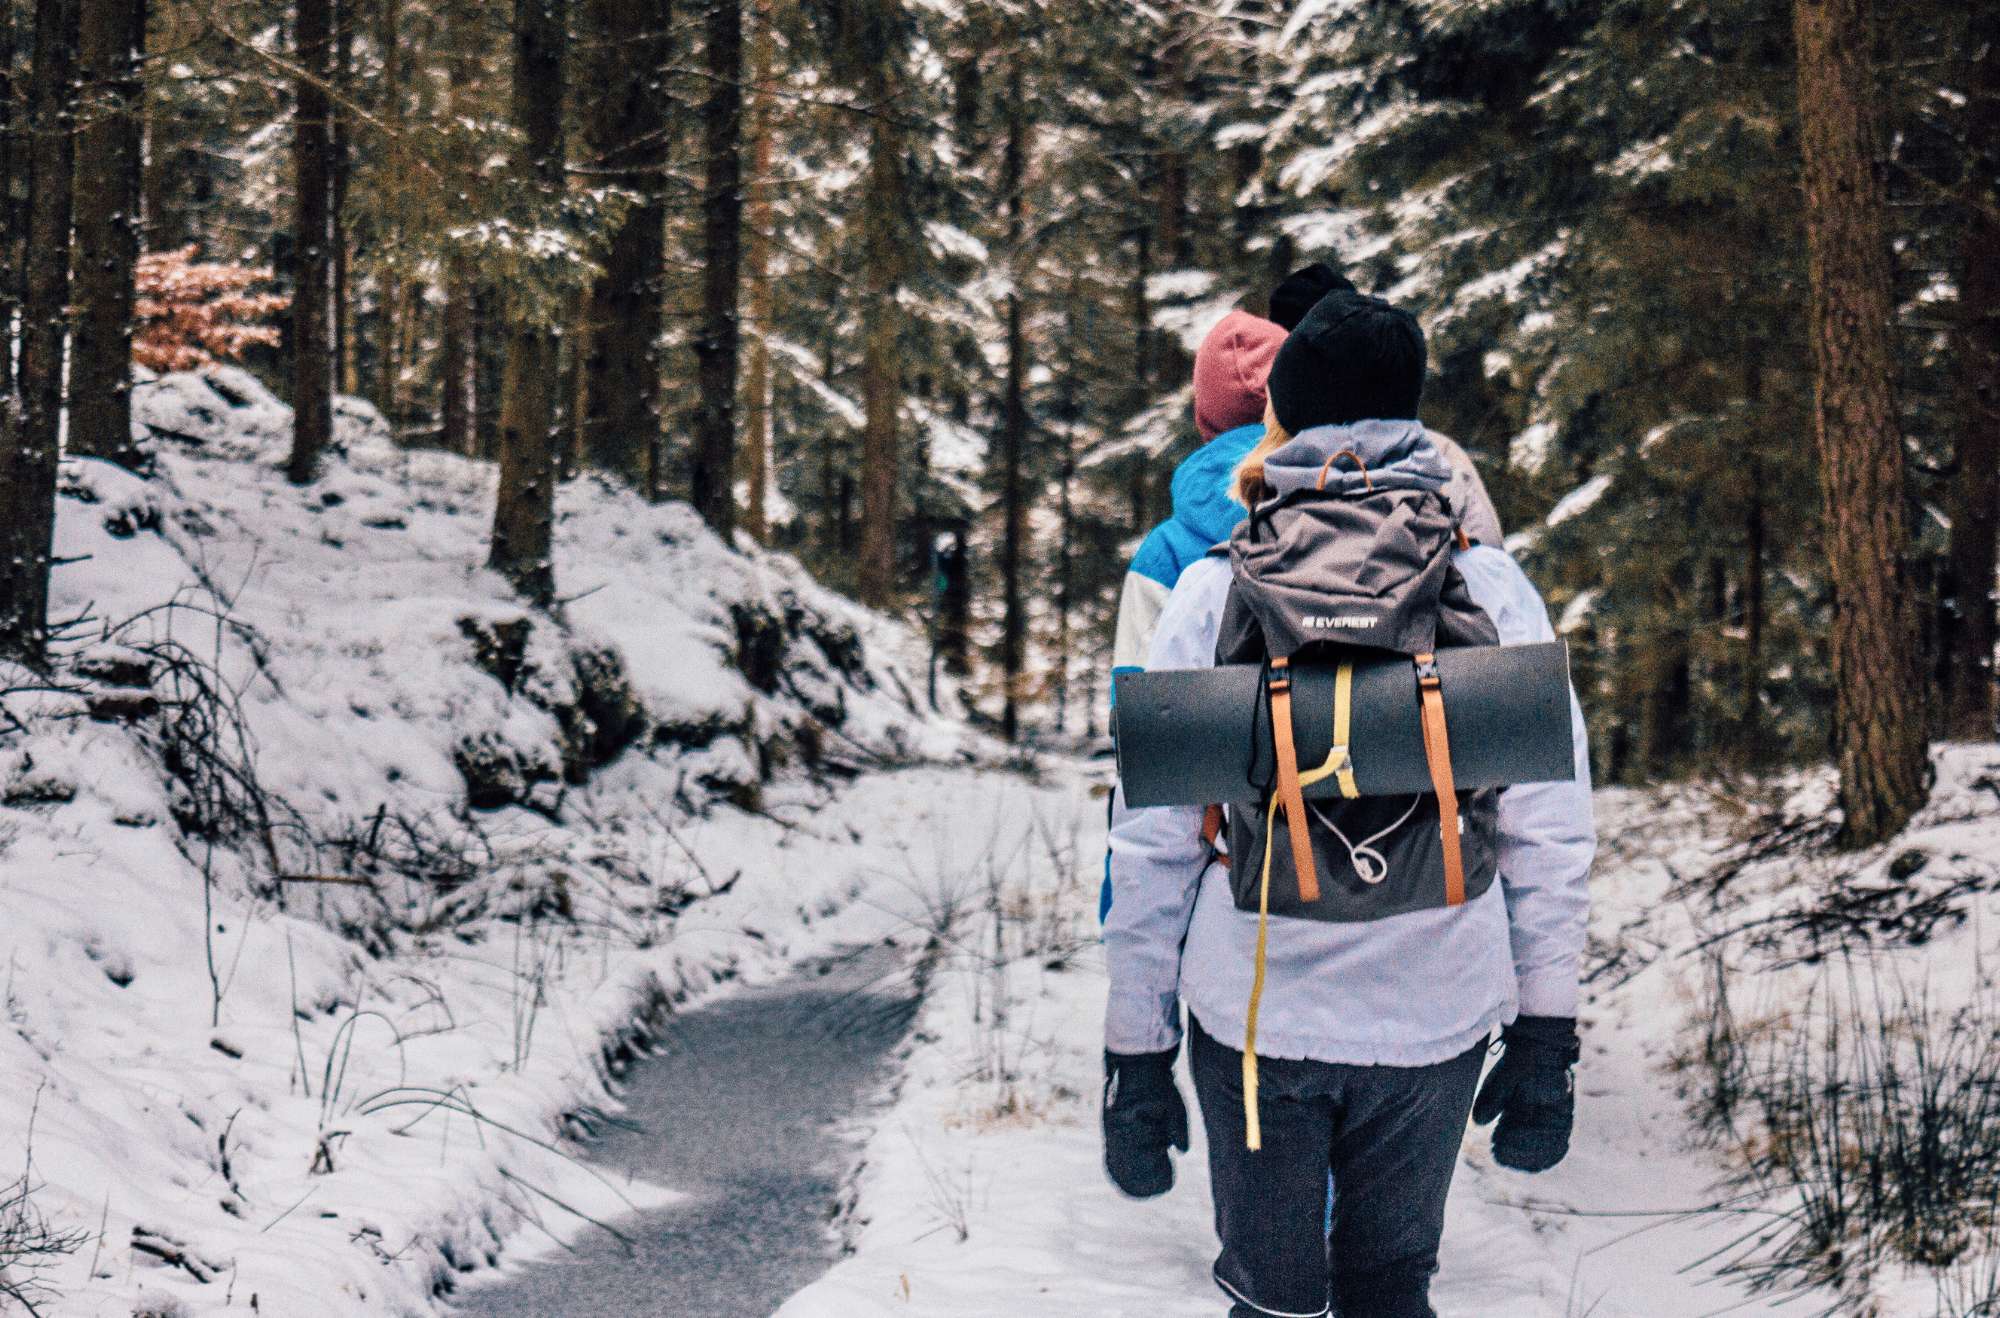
(1437, 751)
(1289, 792)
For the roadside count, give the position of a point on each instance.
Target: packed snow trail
(984, 1194)
(746, 1111)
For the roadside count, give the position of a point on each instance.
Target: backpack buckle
(1427, 669)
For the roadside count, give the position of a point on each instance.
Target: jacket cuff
(1153, 1026)
(1549, 992)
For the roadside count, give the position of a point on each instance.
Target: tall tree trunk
(459, 389)
(881, 325)
(628, 135)
(713, 479)
(341, 146)
(1014, 411)
(29, 452)
(1142, 320)
(455, 409)
(11, 155)
(1065, 574)
(954, 641)
(524, 514)
(1750, 725)
(1754, 549)
(1974, 501)
(389, 295)
(111, 42)
(312, 301)
(1879, 702)
(757, 261)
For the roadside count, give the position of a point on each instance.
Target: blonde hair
(1247, 482)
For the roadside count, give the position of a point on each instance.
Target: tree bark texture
(29, 452)
(458, 334)
(312, 300)
(524, 513)
(757, 418)
(111, 42)
(1879, 703)
(1014, 415)
(882, 318)
(12, 155)
(621, 388)
(341, 146)
(1974, 496)
(389, 296)
(713, 478)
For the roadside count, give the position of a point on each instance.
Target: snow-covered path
(984, 1195)
(745, 1110)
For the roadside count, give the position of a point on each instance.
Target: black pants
(1389, 1135)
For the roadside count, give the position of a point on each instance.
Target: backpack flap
(1364, 570)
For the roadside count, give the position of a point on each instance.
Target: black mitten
(1530, 1090)
(1143, 1118)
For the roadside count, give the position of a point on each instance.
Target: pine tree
(626, 141)
(1879, 713)
(111, 44)
(29, 440)
(1014, 403)
(311, 341)
(1974, 495)
(713, 475)
(759, 219)
(524, 511)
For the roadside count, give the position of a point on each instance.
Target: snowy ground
(984, 1193)
(314, 1050)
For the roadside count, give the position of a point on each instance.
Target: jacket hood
(1398, 455)
(1202, 501)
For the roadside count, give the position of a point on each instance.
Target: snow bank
(334, 885)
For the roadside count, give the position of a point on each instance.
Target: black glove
(1143, 1118)
(1530, 1090)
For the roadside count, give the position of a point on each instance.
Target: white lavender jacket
(1408, 990)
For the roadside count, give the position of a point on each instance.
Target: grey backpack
(1327, 577)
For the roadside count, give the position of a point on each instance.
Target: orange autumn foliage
(189, 314)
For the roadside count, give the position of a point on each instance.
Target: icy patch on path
(745, 1107)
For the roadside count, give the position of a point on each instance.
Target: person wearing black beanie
(1300, 291)
(1353, 358)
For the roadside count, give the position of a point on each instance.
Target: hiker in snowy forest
(1355, 1018)
(1229, 371)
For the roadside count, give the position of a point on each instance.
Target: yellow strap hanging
(1341, 765)
(1253, 1130)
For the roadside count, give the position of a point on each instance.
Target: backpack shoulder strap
(1437, 752)
(1288, 790)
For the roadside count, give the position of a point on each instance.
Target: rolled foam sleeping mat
(1200, 736)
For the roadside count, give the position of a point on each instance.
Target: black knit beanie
(1352, 358)
(1301, 290)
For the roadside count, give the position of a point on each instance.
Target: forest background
(910, 289)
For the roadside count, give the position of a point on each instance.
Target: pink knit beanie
(1229, 371)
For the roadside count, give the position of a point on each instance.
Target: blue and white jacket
(1204, 515)
(1408, 990)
